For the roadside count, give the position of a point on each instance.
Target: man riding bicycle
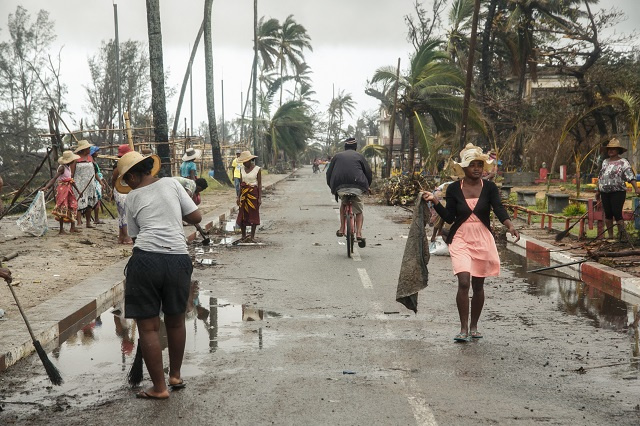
(349, 173)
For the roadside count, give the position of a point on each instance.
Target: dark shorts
(612, 204)
(154, 281)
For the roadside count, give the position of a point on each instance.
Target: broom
(52, 371)
(564, 233)
(135, 376)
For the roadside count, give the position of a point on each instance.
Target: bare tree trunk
(467, 88)
(412, 144)
(158, 103)
(185, 80)
(392, 124)
(254, 88)
(218, 166)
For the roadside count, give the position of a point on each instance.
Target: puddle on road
(95, 360)
(602, 306)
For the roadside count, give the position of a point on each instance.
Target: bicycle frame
(349, 219)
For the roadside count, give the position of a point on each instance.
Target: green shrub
(575, 209)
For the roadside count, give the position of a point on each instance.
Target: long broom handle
(24, 317)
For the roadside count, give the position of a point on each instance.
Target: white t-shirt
(154, 216)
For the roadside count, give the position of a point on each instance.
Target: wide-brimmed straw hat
(246, 156)
(614, 143)
(191, 154)
(82, 145)
(126, 162)
(467, 155)
(68, 157)
(123, 149)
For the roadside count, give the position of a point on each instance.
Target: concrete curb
(619, 284)
(58, 318)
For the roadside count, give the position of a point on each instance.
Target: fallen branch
(624, 253)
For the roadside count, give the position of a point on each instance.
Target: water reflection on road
(601, 306)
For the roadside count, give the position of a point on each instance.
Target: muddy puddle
(600, 305)
(106, 347)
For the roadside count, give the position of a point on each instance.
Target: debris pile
(403, 189)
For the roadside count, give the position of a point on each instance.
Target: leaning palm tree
(345, 105)
(430, 95)
(460, 16)
(293, 39)
(289, 129)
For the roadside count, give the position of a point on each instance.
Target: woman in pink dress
(473, 250)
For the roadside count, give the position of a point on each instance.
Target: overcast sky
(350, 39)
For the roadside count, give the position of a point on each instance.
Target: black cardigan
(457, 210)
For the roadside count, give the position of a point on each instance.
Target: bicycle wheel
(349, 235)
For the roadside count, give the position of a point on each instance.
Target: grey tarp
(414, 275)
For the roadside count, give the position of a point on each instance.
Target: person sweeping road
(158, 274)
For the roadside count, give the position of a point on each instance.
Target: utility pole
(191, 94)
(467, 88)
(117, 46)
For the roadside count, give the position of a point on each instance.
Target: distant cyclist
(349, 173)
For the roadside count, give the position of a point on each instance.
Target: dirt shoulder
(48, 265)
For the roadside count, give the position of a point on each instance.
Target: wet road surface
(293, 332)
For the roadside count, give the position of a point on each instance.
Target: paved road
(318, 315)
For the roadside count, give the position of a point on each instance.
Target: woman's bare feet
(62, 232)
(75, 231)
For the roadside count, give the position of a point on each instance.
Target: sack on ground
(34, 220)
(439, 247)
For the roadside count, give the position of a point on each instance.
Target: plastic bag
(34, 220)
(438, 247)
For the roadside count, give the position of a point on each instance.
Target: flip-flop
(362, 242)
(339, 234)
(179, 385)
(145, 395)
(461, 337)
(476, 335)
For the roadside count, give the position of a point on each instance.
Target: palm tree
(430, 91)
(344, 105)
(156, 68)
(218, 165)
(293, 39)
(289, 129)
(375, 152)
(302, 76)
(460, 20)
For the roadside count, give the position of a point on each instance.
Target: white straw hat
(82, 145)
(246, 156)
(467, 155)
(191, 154)
(68, 157)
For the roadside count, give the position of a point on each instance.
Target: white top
(154, 216)
(251, 178)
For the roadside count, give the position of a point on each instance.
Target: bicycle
(350, 219)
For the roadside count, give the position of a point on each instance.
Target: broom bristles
(52, 371)
(134, 378)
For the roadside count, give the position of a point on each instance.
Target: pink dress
(473, 248)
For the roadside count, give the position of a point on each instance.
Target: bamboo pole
(127, 124)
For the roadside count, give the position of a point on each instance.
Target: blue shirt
(186, 167)
(211, 173)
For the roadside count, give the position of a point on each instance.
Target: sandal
(476, 335)
(362, 242)
(461, 337)
(339, 234)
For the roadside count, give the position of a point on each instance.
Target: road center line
(364, 277)
(421, 411)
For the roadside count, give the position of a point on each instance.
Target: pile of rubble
(403, 189)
